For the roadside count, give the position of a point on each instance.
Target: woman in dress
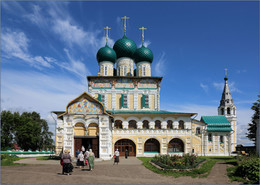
(91, 158)
(66, 159)
(81, 160)
(116, 156)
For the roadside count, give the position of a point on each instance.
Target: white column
(151, 125)
(113, 100)
(225, 139)
(218, 137)
(206, 141)
(135, 101)
(175, 124)
(125, 125)
(139, 125)
(213, 142)
(164, 125)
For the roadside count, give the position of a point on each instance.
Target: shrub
(248, 168)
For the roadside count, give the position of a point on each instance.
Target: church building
(121, 110)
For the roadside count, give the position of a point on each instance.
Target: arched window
(210, 137)
(118, 124)
(169, 124)
(228, 111)
(152, 145)
(157, 124)
(222, 111)
(234, 111)
(198, 130)
(145, 124)
(176, 145)
(132, 124)
(221, 139)
(181, 124)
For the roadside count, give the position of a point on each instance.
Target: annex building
(122, 110)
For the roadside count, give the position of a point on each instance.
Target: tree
(28, 130)
(251, 134)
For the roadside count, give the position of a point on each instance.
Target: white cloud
(16, 44)
(204, 87)
(33, 91)
(146, 43)
(231, 85)
(243, 117)
(36, 17)
(160, 65)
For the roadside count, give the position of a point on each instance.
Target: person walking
(67, 166)
(116, 156)
(91, 158)
(126, 153)
(83, 149)
(77, 154)
(81, 160)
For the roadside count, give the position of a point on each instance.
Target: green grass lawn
(201, 172)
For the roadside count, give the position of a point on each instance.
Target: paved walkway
(129, 171)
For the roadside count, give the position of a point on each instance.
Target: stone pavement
(128, 171)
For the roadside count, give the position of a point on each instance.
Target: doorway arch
(125, 144)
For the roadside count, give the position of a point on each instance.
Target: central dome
(124, 47)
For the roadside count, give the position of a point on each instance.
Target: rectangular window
(124, 71)
(143, 71)
(101, 98)
(105, 71)
(145, 101)
(124, 100)
(210, 137)
(221, 139)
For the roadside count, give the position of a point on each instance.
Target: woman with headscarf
(91, 158)
(67, 166)
(81, 160)
(116, 156)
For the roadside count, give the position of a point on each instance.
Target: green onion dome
(143, 54)
(124, 47)
(106, 54)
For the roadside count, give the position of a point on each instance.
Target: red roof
(16, 146)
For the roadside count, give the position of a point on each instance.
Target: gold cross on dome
(125, 22)
(107, 28)
(143, 28)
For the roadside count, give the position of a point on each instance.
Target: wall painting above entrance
(85, 107)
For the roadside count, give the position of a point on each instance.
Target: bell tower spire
(228, 109)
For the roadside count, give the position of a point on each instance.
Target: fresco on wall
(85, 107)
(101, 83)
(124, 83)
(147, 83)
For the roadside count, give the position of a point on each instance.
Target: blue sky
(48, 48)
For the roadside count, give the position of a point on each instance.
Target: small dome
(143, 54)
(106, 54)
(124, 47)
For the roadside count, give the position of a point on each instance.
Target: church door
(95, 147)
(78, 145)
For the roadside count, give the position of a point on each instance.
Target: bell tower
(228, 109)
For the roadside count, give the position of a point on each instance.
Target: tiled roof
(216, 123)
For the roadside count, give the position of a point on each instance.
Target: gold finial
(142, 34)
(125, 22)
(107, 28)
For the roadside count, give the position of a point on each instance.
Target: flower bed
(167, 162)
